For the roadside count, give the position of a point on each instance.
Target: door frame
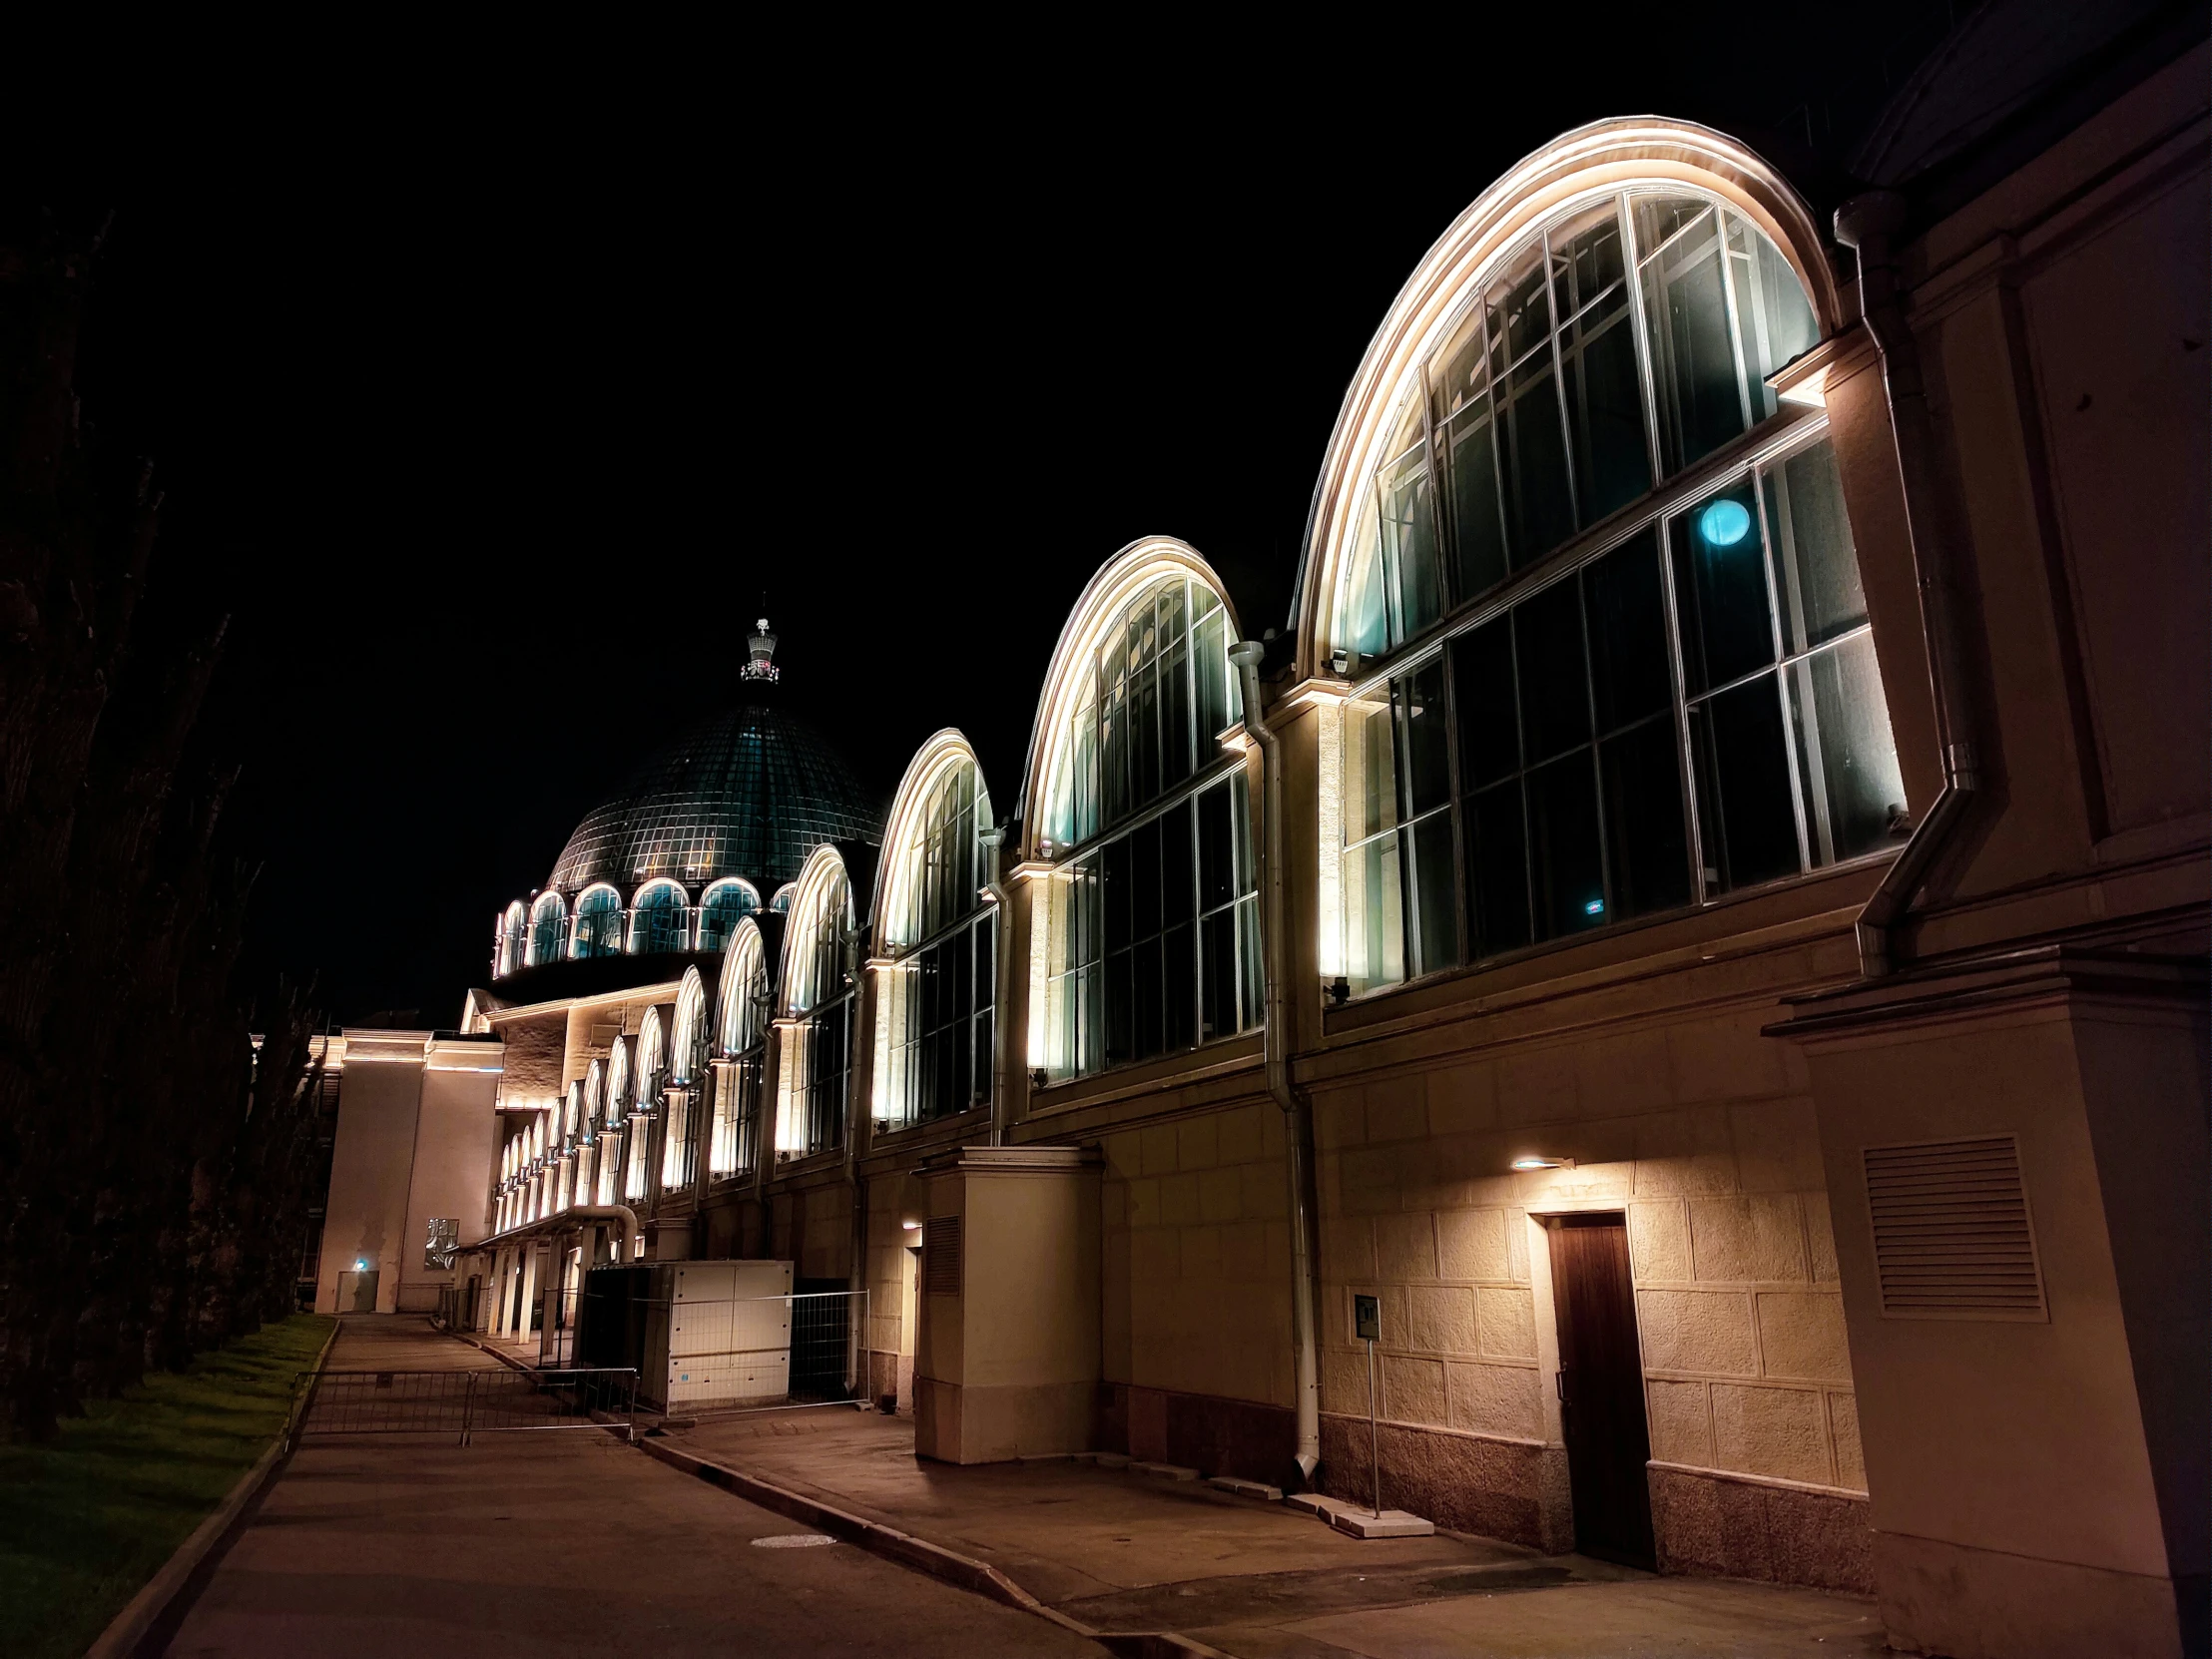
(1559, 1528)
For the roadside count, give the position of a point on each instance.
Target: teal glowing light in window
(1723, 523)
(1595, 907)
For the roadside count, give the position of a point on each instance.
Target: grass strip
(92, 1516)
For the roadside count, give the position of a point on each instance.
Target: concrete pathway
(550, 1546)
(1123, 1552)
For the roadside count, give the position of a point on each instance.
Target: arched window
(687, 1068)
(547, 919)
(613, 1139)
(1149, 937)
(934, 1005)
(781, 903)
(658, 920)
(742, 1040)
(1656, 683)
(719, 909)
(648, 1074)
(598, 930)
(821, 956)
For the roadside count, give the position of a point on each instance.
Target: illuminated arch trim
(895, 870)
(1122, 577)
(744, 964)
(819, 882)
(1592, 161)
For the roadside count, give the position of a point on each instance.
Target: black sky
(492, 429)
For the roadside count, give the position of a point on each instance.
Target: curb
(146, 1613)
(921, 1556)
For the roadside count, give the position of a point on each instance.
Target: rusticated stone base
(1201, 1432)
(1712, 1525)
(1509, 1489)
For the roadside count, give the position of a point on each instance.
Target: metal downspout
(1003, 927)
(1297, 1112)
(856, 1114)
(1866, 224)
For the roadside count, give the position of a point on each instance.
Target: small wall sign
(1367, 1318)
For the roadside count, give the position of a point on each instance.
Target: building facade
(1701, 914)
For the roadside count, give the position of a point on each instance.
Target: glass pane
(1567, 881)
(1364, 626)
(1776, 323)
(1210, 666)
(1176, 886)
(1409, 527)
(1120, 1019)
(1489, 722)
(1821, 592)
(1720, 588)
(1252, 979)
(1144, 880)
(1374, 940)
(1218, 976)
(1420, 713)
(1693, 357)
(1647, 854)
(1478, 536)
(1176, 746)
(1117, 856)
(1148, 1008)
(1521, 306)
(1554, 690)
(1217, 860)
(1844, 750)
(1586, 252)
(1497, 869)
(1436, 895)
(1179, 986)
(1628, 633)
(1605, 407)
(1533, 460)
(1371, 764)
(1745, 813)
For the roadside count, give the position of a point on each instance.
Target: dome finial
(762, 643)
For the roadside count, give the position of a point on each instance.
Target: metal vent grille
(940, 1255)
(1952, 1239)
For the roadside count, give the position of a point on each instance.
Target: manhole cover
(792, 1540)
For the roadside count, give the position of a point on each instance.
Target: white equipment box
(717, 1333)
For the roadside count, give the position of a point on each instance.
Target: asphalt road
(557, 1544)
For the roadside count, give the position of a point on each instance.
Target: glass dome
(750, 791)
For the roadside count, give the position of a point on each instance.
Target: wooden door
(1601, 1389)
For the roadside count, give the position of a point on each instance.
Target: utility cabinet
(697, 1332)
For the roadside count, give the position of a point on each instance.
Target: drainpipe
(855, 1115)
(1297, 1111)
(1866, 224)
(1000, 978)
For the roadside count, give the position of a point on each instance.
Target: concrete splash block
(1164, 1471)
(1247, 1488)
(1314, 1504)
(1391, 1524)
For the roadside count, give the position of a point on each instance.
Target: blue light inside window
(1595, 907)
(1723, 523)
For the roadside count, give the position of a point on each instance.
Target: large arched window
(658, 920)
(514, 937)
(821, 956)
(547, 917)
(741, 1038)
(719, 909)
(687, 1068)
(1148, 935)
(935, 1003)
(598, 930)
(613, 1139)
(1653, 681)
(647, 1076)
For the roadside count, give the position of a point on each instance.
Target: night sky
(493, 433)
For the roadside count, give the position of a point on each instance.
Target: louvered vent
(1952, 1239)
(940, 1255)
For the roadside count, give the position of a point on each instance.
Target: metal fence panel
(470, 1402)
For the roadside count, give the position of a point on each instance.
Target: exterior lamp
(911, 1225)
(360, 1264)
(1533, 1163)
(1723, 523)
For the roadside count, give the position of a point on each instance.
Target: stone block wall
(1701, 1135)
(1197, 1260)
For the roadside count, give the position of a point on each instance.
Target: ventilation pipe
(1001, 977)
(1297, 1111)
(1865, 225)
(607, 1211)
